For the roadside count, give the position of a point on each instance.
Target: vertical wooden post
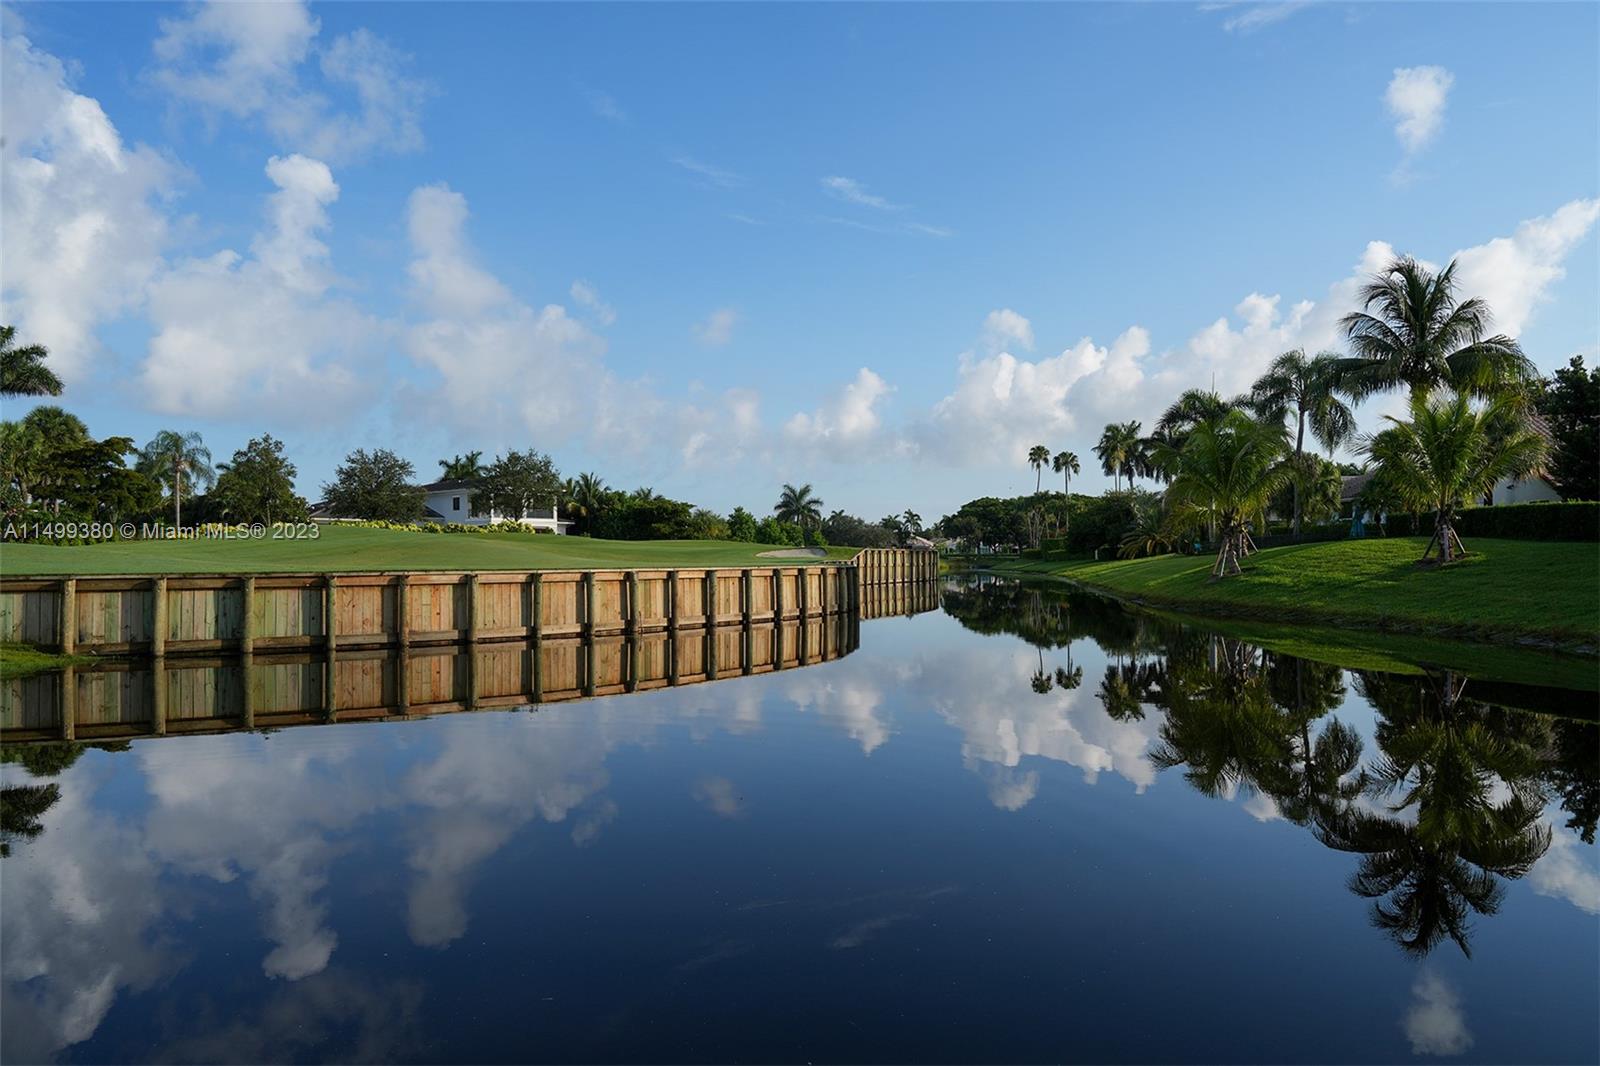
(471, 651)
(330, 685)
(158, 697)
(158, 617)
(247, 689)
(588, 610)
(630, 611)
(777, 595)
(402, 612)
(67, 701)
(747, 657)
(538, 671)
(67, 616)
(537, 610)
(710, 598)
(473, 628)
(711, 652)
(588, 664)
(402, 681)
(672, 655)
(247, 617)
(744, 596)
(330, 615)
(672, 609)
(803, 579)
(630, 666)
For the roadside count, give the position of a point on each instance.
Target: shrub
(1572, 520)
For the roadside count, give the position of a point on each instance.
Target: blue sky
(714, 248)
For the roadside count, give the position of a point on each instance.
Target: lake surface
(1028, 826)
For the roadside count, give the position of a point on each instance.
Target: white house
(450, 500)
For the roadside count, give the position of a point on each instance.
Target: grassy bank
(20, 660)
(344, 549)
(1505, 590)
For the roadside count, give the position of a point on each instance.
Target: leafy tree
(742, 526)
(21, 808)
(1226, 473)
(22, 370)
(517, 484)
(1570, 404)
(773, 530)
(375, 485)
(798, 505)
(170, 457)
(1304, 390)
(257, 485)
(1038, 458)
(633, 516)
(842, 528)
(1412, 332)
(468, 467)
(1451, 452)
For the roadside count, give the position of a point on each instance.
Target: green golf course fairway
(342, 549)
(1504, 590)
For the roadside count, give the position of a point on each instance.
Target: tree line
(1478, 413)
(53, 470)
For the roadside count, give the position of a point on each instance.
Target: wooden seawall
(180, 695)
(205, 614)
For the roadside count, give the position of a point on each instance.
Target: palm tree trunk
(177, 496)
(1299, 445)
(1066, 515)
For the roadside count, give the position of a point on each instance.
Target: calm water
(1025, 827)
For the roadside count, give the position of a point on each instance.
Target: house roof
(1350, 486)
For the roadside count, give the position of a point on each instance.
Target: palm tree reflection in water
(1446, 809)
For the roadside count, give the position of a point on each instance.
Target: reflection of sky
(906, 825)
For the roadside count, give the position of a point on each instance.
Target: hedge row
(1570, 520)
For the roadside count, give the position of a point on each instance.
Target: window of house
(455, 503)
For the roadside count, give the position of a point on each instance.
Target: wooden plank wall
(896, 566)
(206, 614)
(120, 698)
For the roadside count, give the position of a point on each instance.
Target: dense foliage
(374, 485)
(1570, 404)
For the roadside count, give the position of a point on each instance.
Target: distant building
(450, 500)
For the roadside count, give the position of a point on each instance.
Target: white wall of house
(1527, 490)
(455, 505)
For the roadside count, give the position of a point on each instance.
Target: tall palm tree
(169, 456)
(1412, 332)
(22, 370)
(1304, 388)
(1038, 457)
(1066, 464)
(798, 505)
(1120, 451)
(1451, 452)
(466, 467)
(1226, 472)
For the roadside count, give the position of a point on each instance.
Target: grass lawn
(343, 549)
(1505, 590)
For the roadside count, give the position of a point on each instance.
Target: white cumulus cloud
(234, 333)
(253, 61)
(1416, 99)
(1435, 1024)
(82, 213)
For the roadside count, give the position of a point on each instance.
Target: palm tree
(1119, 450)
(1304, 388)
(171, 455)
(467, 467)
(583, 497)
(1451, 452)
(798, 505)
(1413, 333)
(1038, 456)
(1066, 464)
(1226, 471)
(22, 370)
